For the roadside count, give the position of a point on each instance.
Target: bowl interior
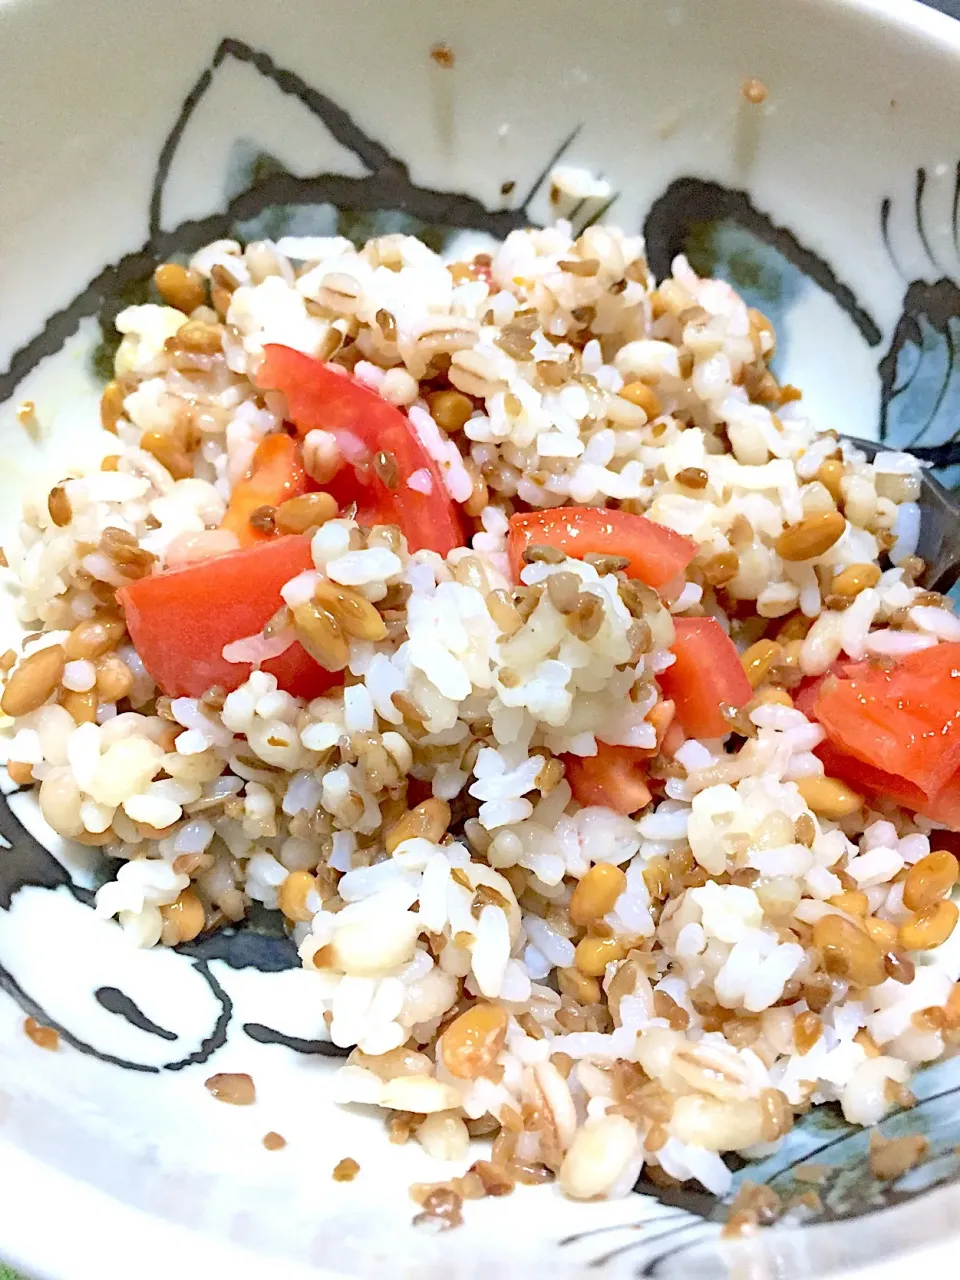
(832, 205)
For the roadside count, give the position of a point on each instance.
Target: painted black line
(809, 1155)
(244, 948)
(905, 386)
(172, 141)
(853, 1133)
(885, 208)
(633, 1225)
(941, 455)
(945, 386)
(9, 984)
(218, 1036)
(601, 212)
(937, 304)
(650, 1266)
(544, 173)
(115, 1001)
(919, 187)
(691, 201)
(59, 327)
(571, 217)
(390, 189)
(27, 862)
(647, 1240)
(955, 209)
(267, 1035)
(340, 124)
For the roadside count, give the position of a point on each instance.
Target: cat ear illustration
(247, 119)
(824, 333)
(919, 373)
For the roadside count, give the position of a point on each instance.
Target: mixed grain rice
(593, 992)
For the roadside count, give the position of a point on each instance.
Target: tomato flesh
(851, 723)
(655, 554)
(180, 620)
(943, 806)
(318, 398)
(616, 777)
(707, 673)
(276, 474)
(905, 721)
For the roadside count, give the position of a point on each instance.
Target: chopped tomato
(707, 673)
(943, 806)
(905, 721)
(407, 488)
(615, 777)
(655, 554)
(180, 620)
(276, 474)
(849, 741)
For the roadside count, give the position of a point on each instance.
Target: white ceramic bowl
(127, 133)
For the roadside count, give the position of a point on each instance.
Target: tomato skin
(904, 721)
(707, 672)
(180, 620)
(275, 475)
(942, 804)
(616, 777)
(656, 554)
(319, 398)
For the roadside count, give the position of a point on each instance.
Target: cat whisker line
(646, 1241)
(544, 173)
(635, 1224)
(920, 185)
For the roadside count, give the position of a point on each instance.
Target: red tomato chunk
(655, 554)
(180, 620)
(615, 777)
(894, 734)
(707, 675)
(276, 475)
(385, 451)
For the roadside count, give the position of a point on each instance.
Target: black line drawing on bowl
(266, 1035)
(692, 205)
(722, 231)
(680, 220)
(919, 371)
(115, 1001)
(209, 1044)
(262, 941)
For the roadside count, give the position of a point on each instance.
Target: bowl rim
(912, 15)
(97, 1235)
(82, 1249)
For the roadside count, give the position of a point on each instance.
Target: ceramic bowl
(129, 134)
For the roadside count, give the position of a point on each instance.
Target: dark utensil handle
(941, 455)
(940, 520)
